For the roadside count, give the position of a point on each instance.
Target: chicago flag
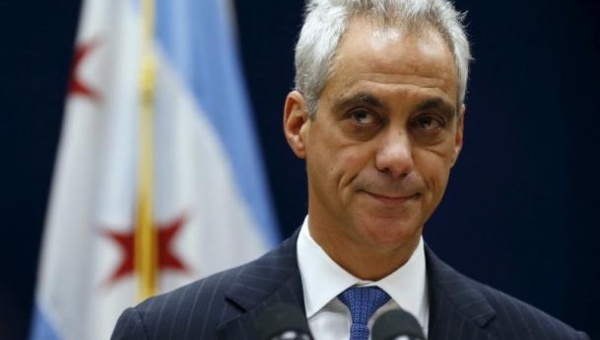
(158, 179)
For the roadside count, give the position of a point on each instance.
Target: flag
(158, 179)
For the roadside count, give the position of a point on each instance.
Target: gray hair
(327, 20)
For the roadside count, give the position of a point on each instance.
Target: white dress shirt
(323, 280)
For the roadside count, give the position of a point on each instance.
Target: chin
(392, 232)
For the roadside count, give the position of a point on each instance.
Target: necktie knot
(362, 303)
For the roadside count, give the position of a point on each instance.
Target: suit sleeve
(129, 326)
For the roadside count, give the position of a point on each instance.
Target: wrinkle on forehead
(384, 30)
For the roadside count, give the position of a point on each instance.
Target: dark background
(520, 211)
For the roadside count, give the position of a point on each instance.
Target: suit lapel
(274, 278)
(458, 309)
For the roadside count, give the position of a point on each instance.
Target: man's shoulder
(209, 301)
(497, 312)
(274, 265)
(524, 318)
(213, 285)
(170, 315)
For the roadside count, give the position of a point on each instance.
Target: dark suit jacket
(226, 305)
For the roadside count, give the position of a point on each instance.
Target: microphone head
(396, 323)
(283, 321)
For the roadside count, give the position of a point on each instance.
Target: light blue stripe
(198, 39)
(40, 327)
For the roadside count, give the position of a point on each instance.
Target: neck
(365, 261)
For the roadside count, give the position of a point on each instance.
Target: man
(378, 116)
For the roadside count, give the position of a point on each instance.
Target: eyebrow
(367, 99)
(360, 98)
(438, 104)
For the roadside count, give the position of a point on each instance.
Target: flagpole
(146, 256)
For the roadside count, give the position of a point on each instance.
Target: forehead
(385, 54)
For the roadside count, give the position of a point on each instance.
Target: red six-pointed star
(166, 258)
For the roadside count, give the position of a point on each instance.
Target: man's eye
(362, 117)
(428, 123)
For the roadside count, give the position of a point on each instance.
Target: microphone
(283, 322)
(397, 324)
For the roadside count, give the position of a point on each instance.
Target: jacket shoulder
(190, 310)
(455, 297)
(520, 318)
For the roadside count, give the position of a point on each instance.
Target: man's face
(386, 133)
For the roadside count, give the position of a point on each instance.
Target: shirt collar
(323, 279)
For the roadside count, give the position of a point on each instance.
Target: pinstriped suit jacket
(225, 305)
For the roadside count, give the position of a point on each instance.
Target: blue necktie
(362, 302)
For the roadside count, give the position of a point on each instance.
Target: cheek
(434, 167)
(350, 161)
(352, 157)
(340, 156)
(324, 162)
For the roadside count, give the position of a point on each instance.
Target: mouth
(392, 199)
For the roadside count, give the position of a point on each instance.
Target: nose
(394, 155)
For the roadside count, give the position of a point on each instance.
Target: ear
(458, 138)
(295, 118)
